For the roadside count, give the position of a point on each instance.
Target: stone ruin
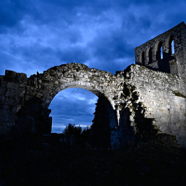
(143, 100)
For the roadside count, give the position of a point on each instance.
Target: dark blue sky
(38, 34)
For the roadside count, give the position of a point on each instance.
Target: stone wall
(161, 98)
(162, 93)
(12, 93)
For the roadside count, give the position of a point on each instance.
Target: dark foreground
(35, 160)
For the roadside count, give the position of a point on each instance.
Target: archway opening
(72, 106)
(77, 106)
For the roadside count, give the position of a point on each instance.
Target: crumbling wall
(33, 118)
(15, 115)
(12, 92)
(162, 97)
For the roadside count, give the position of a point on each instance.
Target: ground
(46, 160)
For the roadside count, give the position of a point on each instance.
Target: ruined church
(142, 101)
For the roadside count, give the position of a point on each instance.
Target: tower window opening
(172, 47)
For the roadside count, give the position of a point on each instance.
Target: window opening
(161, 52)
(172, 47)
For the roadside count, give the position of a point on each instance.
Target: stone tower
(166, 52)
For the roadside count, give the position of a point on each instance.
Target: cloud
(10, 14)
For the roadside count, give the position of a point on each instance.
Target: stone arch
(111, 112)
(72, 75)
(77, 84)
(45, 87)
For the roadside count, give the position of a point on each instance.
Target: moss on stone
(179, 94)
(121, 106)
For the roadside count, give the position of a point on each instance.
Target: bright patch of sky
(73, 105)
